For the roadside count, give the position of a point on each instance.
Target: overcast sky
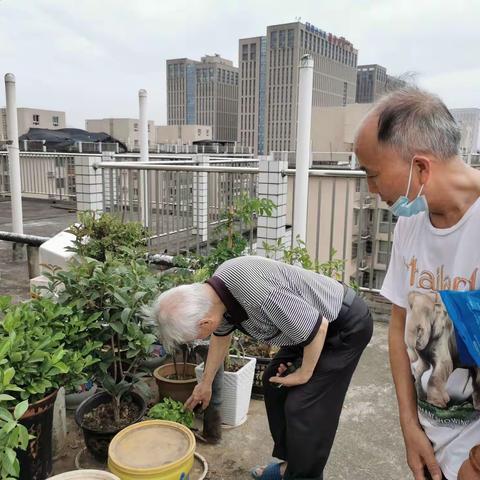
(90, 57)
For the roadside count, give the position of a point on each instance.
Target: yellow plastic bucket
(152, 450)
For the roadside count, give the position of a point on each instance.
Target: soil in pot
(169, 385)
(101, 418)
(98, 437)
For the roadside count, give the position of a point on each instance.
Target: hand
(420, 454)
(201, 395)
(298, 377)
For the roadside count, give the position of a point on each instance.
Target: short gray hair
(176, 313)
(411, 121)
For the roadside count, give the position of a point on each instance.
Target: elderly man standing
(322, 327)
(408, 146)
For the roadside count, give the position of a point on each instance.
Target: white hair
(176, 313)
(412, 120)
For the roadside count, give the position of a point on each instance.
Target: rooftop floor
(368, 445)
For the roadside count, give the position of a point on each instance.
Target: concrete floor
(368, 445)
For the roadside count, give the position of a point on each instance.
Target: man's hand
(298, 377)
(420, 454)
(201, 395)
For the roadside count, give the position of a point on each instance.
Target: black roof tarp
(63, 139)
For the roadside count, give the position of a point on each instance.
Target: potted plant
(99, 235)
(36, 360)
(114, 291)
(239, 371)
(173, 411)
(176, 380)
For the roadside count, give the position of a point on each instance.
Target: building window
(244, 52)
(55, 121)
(273, 40)
(199, 131)
(36, 119)
(281, 39)
(135, 127)
(253, 51)
(290, 39)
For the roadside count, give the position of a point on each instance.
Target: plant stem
(114, 361)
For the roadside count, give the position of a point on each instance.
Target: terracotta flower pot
(178, 390)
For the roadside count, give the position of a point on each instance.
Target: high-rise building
(373, 82)
(269, 77)
(204, 93)
(468, 120)
(28, 118)
(125, 130)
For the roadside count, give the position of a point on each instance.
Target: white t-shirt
(425, 260)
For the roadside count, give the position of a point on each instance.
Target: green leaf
(125, 314)
(8, 375)
(23, 437)
(5, 398)
(20, 409)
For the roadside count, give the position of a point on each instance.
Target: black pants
(303, 420)
(212, 417)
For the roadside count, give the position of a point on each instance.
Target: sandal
(270, 472)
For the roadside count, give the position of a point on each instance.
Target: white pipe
(302, 162)
(143, 128)
(13, 154)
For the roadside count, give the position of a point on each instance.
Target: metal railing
(179, 199)
(43, 175)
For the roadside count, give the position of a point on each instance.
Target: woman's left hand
(298, 377)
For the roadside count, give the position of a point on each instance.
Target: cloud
(89, 58)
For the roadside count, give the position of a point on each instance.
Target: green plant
(34, 345)
(98, 235)
(36, 358)
(13, 436)
(172, 410)
(298, 255)
(111, 294)
(231, 241)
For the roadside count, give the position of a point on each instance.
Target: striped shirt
(274, 302)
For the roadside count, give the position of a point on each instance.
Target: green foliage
(172, 410)
(298, 255)
(13, 436)
(99, 235)
(36, 354)
(231, 244)
(109, 297)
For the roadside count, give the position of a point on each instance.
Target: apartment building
(269, 78)
(205, 93)
(32, 118)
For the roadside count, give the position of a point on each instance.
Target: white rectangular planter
(237, 389)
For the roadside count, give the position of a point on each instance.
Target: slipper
(270, 472)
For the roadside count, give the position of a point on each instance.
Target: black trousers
(303, 420)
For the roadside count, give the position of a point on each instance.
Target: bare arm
(311, 354)
(216, 354)
(419, 449)
(401, 370)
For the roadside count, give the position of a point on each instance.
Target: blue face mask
(403, 207)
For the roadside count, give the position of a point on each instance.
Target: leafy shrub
(99, 235)
(172, 410)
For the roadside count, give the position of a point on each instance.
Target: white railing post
(88, 182)
(200, 198)
(143, 190)
(13, 154)
(302, 163)
(272, 185)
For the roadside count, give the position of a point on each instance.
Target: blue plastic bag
(464, 310)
